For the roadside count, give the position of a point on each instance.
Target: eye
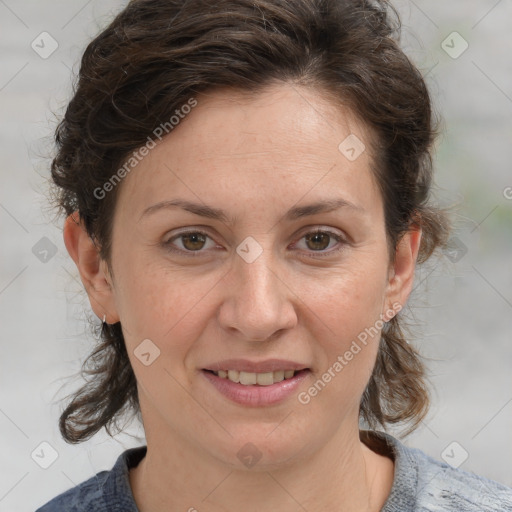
(317, 241)
(191, 242)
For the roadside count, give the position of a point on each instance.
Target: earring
(104, 324)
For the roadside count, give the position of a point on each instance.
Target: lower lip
(255, 395)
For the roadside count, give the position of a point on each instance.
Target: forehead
(280, 144)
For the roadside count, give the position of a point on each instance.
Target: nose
(258, 303)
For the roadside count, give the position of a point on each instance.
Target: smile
(256, 389)
(250, 379)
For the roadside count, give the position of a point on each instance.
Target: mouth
(256, 389)
(257, 379)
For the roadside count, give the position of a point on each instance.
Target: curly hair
(156, 54)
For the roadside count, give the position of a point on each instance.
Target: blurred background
(461, 305)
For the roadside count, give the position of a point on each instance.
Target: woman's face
(256, 284)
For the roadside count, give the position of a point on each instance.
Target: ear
(401, 272)
(93, 270)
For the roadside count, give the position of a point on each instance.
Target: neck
(342, 475)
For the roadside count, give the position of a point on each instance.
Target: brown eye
(192, 243)
(319, 241)
(195, 243)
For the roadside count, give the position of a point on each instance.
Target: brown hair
(157, 54)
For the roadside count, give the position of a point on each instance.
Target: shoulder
(443, 487)
(102, 492)
(424, 484)
(88, 496)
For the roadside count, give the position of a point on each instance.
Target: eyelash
(168, 244)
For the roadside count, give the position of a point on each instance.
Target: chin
(262, 449)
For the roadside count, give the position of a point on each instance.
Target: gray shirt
(420, 484)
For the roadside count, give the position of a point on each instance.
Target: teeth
(278, 376)
(233, 375)
(250, 379)
(247, 378)
(264, 379)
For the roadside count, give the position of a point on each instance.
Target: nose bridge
(258, 300)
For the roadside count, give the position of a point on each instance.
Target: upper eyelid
(306, 230)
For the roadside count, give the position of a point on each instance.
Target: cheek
(164, 305)
(348, 310)
(350, 298)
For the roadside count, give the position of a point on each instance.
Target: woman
(246, 187)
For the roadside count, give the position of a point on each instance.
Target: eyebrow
(210, 212)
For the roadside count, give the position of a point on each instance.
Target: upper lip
(244, 365)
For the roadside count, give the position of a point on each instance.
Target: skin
(255, 158)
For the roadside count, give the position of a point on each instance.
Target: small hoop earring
(104, 323)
